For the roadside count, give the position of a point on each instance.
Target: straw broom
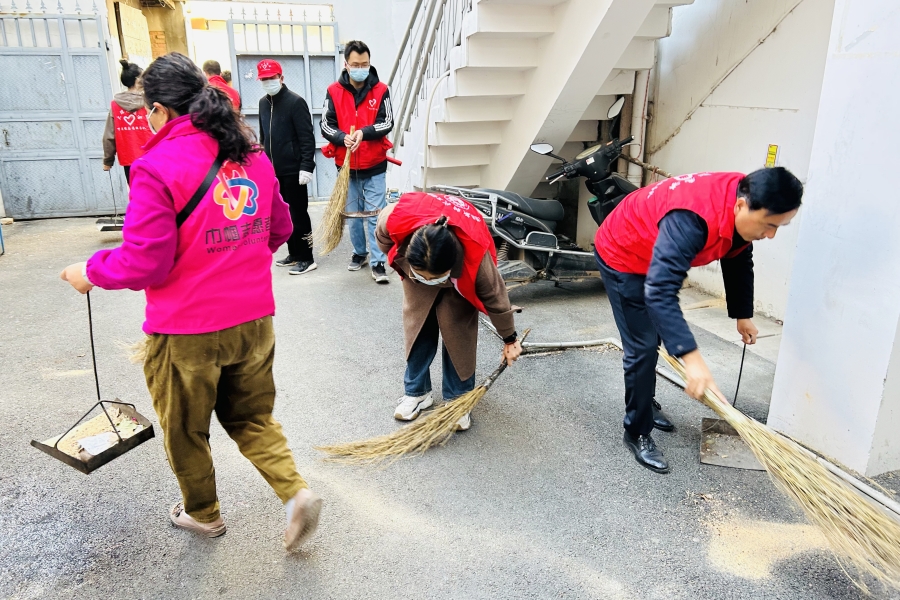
(432, 429)
(858, 531)
(331, 228)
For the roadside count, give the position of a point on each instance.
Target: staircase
(478, 81)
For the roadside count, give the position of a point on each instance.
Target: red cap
(267, 68)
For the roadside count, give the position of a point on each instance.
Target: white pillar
(837, 382)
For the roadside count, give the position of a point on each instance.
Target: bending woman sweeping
(444, 252)
(206, 269)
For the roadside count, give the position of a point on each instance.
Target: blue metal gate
(310, 56)
(54, 98)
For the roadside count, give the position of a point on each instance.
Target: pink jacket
(215, 271)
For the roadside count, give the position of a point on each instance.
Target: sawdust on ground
(750, 548)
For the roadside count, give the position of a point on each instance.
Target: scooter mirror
(616, 108)
(544, 149)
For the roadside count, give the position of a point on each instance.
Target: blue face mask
(359, 75)
(437, 281)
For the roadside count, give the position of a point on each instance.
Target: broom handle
(347, 157)
(490, 379)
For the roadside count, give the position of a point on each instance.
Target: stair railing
(435, 28)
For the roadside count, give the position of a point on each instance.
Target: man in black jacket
(286, 134)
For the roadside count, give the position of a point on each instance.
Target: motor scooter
(527, 227)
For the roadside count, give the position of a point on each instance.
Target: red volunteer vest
(625, 239)
(131, 131)
(370, 153)
(416, 209)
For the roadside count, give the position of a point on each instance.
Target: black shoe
(661, 421)
(378, 273)
(357, 261)
(646, 453)
(287, 261)
(304, 266)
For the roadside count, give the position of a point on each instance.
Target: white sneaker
(409, 407)
(464, 423)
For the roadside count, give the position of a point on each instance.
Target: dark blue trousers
(640, 342)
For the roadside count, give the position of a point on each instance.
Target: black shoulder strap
(185, 212)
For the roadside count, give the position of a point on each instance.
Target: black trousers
(640, 342)
(297, 199)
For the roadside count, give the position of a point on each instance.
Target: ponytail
(176, 82)
(130, 73)
(433, 248)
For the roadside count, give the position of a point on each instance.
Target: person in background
(206, 269)
(358, 100)
(226, 75)
(644, 249)
(213, 72)
(443, 250)
(126, 125)
(286, 133)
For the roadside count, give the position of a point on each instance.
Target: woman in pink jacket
(206, 270)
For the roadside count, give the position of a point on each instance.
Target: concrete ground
(538, 500)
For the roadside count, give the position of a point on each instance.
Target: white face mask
(271, 86)
(437, 281)
(150, 125)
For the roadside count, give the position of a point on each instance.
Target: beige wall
(171, 23)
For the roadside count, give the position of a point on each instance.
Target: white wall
(837, 382)
(379, 23)
(762, 94)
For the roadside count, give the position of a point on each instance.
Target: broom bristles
(858, 532)
(331, 228)
(432, 429)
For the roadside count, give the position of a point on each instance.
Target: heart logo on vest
(129, 119)
(372, 103)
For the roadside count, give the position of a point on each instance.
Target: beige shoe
(183, 520)
(303, 518)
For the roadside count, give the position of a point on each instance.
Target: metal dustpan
(67, 448)
(721, 445)
(114, 223)
(88, 445)
(110, 223)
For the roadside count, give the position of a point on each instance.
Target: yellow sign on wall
(771, 155)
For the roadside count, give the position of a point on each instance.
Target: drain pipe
(427, 127)
(639, 125)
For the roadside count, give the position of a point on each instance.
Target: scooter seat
(545, 210)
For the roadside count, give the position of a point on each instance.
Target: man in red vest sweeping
(358, 100)
(444, 251)
(644, 250)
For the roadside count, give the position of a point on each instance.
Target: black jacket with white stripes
(384, 120)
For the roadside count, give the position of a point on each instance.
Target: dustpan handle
(96, 381)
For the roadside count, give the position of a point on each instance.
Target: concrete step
(524, 2)
(599, 107)
(476, 83)
(467, 110)
(618, 82)
(458, 176)
(639, 55)
(466, 134)
(458, 156)
(509, 53)
(585, 131)
(658, 24)
(499, 20)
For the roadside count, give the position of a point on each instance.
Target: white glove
(305, 177)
